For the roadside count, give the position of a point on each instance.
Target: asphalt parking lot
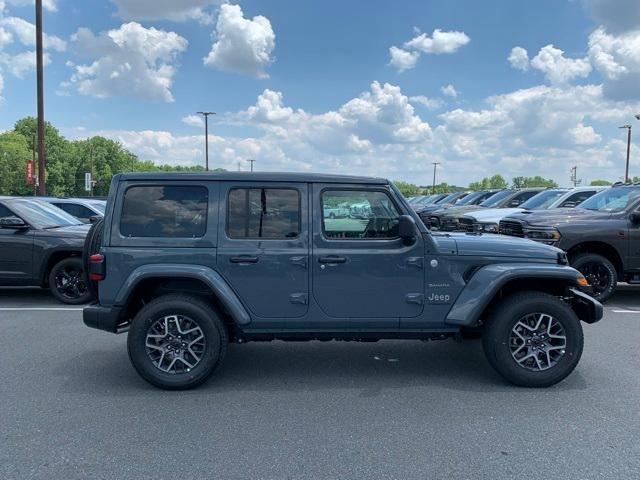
(72, 407)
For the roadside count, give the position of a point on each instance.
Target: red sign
(29, 173)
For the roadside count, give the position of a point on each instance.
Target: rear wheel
(67, 282)
(176, 342)
(599, 272)
(533, 339)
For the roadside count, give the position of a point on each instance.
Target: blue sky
(376, 87)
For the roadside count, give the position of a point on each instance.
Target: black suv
(601, 236)
(41, 245)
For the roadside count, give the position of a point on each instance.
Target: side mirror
(94, 218)
(407, 229)
(569, 205)
(635, 218)
(13, 222)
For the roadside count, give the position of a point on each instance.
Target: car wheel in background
(176, 342)
(67, 282)
(533, 339)
(599, 272)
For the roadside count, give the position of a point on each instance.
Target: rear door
(361, 269)
(263, 246)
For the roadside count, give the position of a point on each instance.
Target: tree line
(67, 161)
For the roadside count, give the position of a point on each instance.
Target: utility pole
(238, 166)
(42, 188)
(574, 176)
(433, 187)
(206, 136)
(251, 161)
(626, 171)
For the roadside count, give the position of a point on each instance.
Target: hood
(559, 216)
(72, 231)
(493, 215)
(490, 245)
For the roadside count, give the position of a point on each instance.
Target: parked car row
(41, 243)
(598, 227)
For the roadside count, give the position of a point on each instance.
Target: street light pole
(626, 171)
(206, 136)
(42, 189)
(433, 186)
(251, 161)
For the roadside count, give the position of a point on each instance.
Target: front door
(16, 250)
(361, 269)
(263, 246)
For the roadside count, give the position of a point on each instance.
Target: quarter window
(271, 213)
(359, 214)
(164, 211)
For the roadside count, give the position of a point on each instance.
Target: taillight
(96, 267)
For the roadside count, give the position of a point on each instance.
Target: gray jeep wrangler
(187, 263)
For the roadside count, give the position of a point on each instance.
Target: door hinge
(299, 260)
(415, 262)
(301, 298)
(417, 298)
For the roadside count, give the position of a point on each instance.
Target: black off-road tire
(585, 262)
(498, 330)
(92, 244)
(213, 329)
(71, 295)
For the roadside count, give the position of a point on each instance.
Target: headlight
(486, 227)
(547, 235)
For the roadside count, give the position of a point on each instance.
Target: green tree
(600, 183)
(528, 182)
(495, 182)
(14, 153)
(407, 189)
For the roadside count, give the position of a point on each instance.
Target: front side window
(164, 211)
(612, 200)
(271, 213)
(577, 198)
(359, 214)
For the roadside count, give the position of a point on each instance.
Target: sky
(371, 87)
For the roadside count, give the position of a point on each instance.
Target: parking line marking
(626, 311)
(38, 309)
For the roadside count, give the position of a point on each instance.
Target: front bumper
(587, 308)
(103, 318)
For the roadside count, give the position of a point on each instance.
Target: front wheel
(68, 282)
(176, 342)
(599, 272)
(533, 339)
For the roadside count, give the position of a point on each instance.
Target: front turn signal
(582, 282)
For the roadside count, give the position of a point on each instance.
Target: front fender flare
(488, 280)
(207, 275)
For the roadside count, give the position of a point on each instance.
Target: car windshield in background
(42, 214)
(449, 198)
(100, 206)
(543, 199)
(472, 197)
(493, 200)
(612, 200)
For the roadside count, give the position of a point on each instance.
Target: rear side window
(164, 211)
(272, 213)
(78, 211)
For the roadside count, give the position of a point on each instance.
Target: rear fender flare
(488, 280)
(208, 276)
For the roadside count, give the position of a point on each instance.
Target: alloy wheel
(175, 344)
(537, 341)
(69, 282)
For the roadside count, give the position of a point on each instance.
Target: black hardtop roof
(253, 177)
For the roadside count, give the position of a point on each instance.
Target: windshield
(542, 200)
(449, 198)
(472, 197)
(100, 206)
(497, 198)
(42, 214)
(611, 200)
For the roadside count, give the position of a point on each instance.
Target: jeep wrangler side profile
(187, 263)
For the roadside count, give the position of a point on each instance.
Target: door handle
(332, 259)
(244, 259)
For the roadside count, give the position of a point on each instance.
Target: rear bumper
(103, 318)
(587, 308)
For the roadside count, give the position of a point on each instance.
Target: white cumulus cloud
(401, 59)
(449, 91)
(241, 45)
(50, 5)
(193, 121)
(440, 42)
(557, 68)
(519, 58)
(429, 103)
(131, 61)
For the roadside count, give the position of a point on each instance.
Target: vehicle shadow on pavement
(373, 368)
